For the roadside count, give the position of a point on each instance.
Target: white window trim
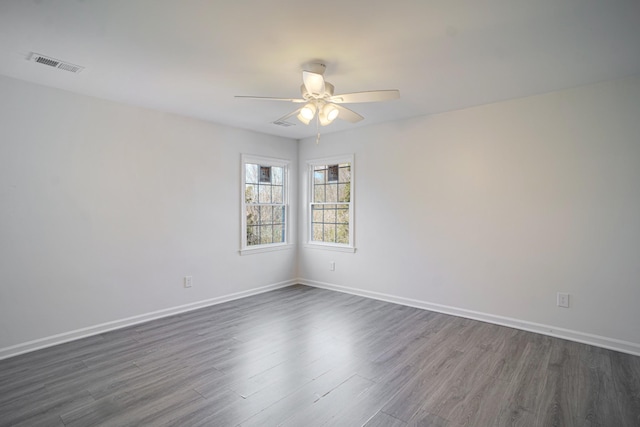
(351, 248)
(330, 247)
(269, 247)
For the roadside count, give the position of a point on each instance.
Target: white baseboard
(50, 341)
(600, 341)
(581, 337)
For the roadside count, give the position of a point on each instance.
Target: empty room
(338, 213)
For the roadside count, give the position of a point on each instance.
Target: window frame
(264, 161)
(310, 243)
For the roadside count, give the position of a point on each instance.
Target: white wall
(105, 207)
(490, 211)
(487, 212)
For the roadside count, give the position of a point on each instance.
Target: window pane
(344, 192)
(253, 215)
(277, 194)
(332, 193)
(332, 173)
(250, 194)
(329, 233)
(329, 215)
(317, 232)
(342, 233)
(345, 173)
(253, 235)
(264, 194)
(266, 214)
(265, 174)
(318, 193)
(318, 177)
(317, 214)
(342, 215)
(278, 175)
(278, 234)
(278, 215)
(251, 174)
(266, 234)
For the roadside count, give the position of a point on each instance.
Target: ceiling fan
(321, 103)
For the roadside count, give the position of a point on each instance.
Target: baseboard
(581, 337)
(600, 341)
(52, 340)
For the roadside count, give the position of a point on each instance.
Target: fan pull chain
(318, 128)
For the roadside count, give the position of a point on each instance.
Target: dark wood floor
(301, 356)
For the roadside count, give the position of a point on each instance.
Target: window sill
(335, 248)
(269, 248)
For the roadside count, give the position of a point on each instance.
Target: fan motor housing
(328, 92)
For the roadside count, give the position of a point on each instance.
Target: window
(331, 202)
(265, 208)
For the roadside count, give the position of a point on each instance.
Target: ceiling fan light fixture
(331, 112)
(328, 114)
(303, 120)
(308, 111)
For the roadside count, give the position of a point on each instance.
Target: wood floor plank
(626, 375)
(381, 419)
(362, 407)
(526, 387)
(43, 405)
(163, 410)
(434, 374)
(302, 397)
(470, 398)
(45, 420)
(330, 404)
(426, 419)
(307, 356)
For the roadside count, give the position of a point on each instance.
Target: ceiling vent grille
(283, 124)
(55, 63)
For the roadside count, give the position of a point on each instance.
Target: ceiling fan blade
(314, 83)
(368, 96)
(285, 117)
(267, 98)
(347, 114)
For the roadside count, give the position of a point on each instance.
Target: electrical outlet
(332, 266)
(563, 300)
(188, 281)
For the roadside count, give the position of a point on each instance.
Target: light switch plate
(563, 300)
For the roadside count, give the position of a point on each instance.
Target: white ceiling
(192, 56)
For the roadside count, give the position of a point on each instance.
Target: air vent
(55, 63)
(283, 124)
